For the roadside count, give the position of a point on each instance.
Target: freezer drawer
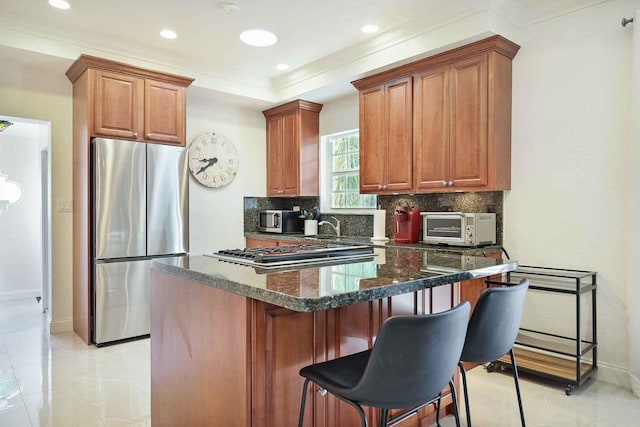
(121, 300)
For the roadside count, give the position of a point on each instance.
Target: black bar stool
(492, 331)
(411, 361)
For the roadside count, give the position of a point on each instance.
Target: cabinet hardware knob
(444, 183)
(450, 183)
(148, 136)
(379, 186)
(322, 391)
(135, 134)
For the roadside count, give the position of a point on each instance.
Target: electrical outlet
(64, 205)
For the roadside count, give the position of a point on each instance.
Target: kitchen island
(227, 340)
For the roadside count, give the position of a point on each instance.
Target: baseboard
(21, 294)
(613, 375)
(61, 325)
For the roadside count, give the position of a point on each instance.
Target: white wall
(44, 93)
(570, 183)
(340, 114)
(20, 225)
(216, 214)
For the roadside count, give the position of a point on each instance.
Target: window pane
(369, 201)
(338, 200)
(353, 182)
(339, 163)
(339, 183)
(354, 161)
(340, 145)
(354, 142)
(353, 200)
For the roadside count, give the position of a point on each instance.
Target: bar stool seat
(411, 362)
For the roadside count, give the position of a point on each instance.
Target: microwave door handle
(276, 220)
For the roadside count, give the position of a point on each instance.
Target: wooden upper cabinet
(292, 149)
(164, 112)
(451, 147)
(131, 103)
(468, 148)
(386, 141)
(461, 119)
(118, 105)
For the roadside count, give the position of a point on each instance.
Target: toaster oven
(458, 228)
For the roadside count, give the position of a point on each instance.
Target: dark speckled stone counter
(392, 271)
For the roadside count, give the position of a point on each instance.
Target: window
(341, 170)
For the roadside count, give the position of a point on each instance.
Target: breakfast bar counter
(228, 340)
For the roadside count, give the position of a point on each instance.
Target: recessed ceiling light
(369, 29)
(59, 4)
(258, 38)
(168, 34)
(282, 66)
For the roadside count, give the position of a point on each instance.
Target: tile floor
(59, 381)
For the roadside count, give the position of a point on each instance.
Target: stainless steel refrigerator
(140, 200)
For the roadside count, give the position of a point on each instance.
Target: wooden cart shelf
(555, 367)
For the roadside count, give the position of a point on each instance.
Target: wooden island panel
(222, 359)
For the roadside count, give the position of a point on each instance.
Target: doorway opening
(25, 222)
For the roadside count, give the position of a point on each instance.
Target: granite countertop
(391, 271)
(301, 238)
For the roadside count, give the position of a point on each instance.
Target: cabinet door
(275, 182)
(431, 129)
(164, 112)
(291, 153)
(277, 358)
(399, 134)
(118, 105)
(468, 154)
(372, 148)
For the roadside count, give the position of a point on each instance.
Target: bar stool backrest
(413, 359)
(495, 322)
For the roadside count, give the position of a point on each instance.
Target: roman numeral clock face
(213, 160)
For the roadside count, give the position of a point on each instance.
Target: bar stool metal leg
(302, 404)
(466, 392)
(515, 379)
(384, 417)
(452, 387)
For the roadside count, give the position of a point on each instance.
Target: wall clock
(213, 160)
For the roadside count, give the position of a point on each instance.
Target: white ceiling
(320, 39)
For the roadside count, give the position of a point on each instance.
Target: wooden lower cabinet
(221, 359)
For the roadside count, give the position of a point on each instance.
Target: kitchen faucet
(335, 227)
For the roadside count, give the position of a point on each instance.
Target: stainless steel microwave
(280, 221)
(458, 228)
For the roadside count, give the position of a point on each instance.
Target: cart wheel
(569, 389)
(491, 367)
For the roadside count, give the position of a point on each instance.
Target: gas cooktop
(279, 256)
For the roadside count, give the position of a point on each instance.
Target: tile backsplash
(362, 225)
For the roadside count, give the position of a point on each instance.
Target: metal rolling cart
(569, 359)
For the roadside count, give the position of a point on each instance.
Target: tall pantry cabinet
(114, 100)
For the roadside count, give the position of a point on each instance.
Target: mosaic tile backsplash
(362, 225)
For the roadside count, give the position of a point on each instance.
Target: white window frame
(325, 179)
